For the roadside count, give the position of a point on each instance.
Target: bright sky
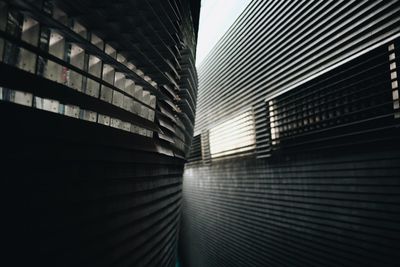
(216, 16)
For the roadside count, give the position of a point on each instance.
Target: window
(338, 107)
(236, 135)
(195, 149)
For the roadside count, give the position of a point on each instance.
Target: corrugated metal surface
(334, 209)
(323, 186)
(97, 102)
(275, 45)
(97, 197)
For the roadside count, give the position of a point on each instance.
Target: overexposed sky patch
(216, 16)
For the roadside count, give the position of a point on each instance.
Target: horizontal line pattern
(79, 193)
(318, 203)
(125, 111)
(75, 202)
(274, 45)
(350, 104)
(315, 210)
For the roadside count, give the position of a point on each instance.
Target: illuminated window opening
(233, 136)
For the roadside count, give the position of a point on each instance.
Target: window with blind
(350, 104)
(233, 136)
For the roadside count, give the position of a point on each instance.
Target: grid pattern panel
(350, 101)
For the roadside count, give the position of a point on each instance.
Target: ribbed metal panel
(96, 198)
(335, 209)
(97, 104)
(323, 184)
(275, 45)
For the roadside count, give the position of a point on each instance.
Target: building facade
(295, 158)
(97, 104)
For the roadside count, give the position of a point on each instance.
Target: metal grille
(339, 106)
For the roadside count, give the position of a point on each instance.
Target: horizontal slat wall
(334, 209)
(97, 102)
(113, 70)
(327, 196)
(274, 45)
(97, 197)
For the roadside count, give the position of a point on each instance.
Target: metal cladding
(97, 103)
(295, 159)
